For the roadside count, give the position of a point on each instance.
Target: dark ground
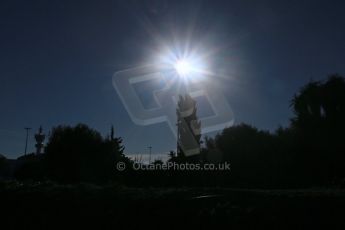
(47, 206)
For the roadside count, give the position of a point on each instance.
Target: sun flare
(183, 67)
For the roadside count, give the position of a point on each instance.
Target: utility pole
(150, 148)
(26, 141)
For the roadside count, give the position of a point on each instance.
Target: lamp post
(150, 148)
(26, 141)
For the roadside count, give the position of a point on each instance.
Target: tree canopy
(80, 153)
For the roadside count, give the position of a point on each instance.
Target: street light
(26, 141)
(150, 148)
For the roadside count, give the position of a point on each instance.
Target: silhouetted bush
(310, 152)
(31, 167)
(4, 167)
(79, 153)
(319, 110)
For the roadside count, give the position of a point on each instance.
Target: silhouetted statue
(309, 152)
(188, 128)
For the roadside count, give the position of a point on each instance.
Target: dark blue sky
(57, 59)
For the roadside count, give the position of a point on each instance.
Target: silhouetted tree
(158, 162)
(3, 166)
(320, 104)
(319, 110)
(31, 167)
(309, 152)
(250, 151)
(2, 161)
(210, 153)
(81, 154)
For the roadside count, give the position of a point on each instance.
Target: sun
(183, 67)
(186, 66)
